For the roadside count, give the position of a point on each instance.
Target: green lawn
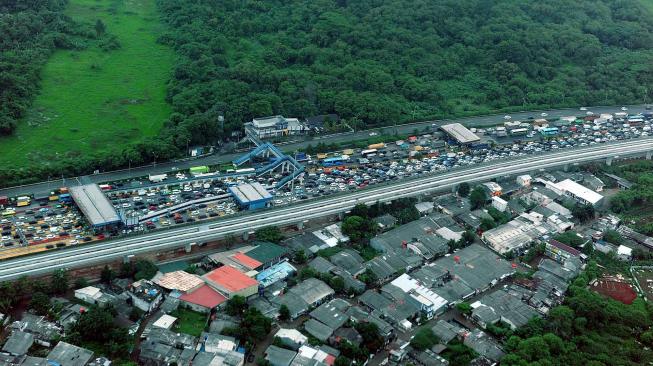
(189, 322)
(93, 100)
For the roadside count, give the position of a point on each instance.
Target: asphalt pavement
(43, 188)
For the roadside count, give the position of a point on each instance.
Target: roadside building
(267, 253)
(424, 208)
(492, 188)
(145, 295)
(579, 192)
(419, 236)
(88, 294)
(181, 281)
(460, 134)
(231, 282)
(271, 126)
(69, 355)
(250, 196)
(96, 207)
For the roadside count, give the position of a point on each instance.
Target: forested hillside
(29, 32)
(386, 61)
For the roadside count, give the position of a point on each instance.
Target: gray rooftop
(446, 331)
(460, 133)
(472, 269)
(279, 356)
(509, 307)
(250, 192)
(70, 355)
(95, 206)
(348, 260)
(312, 290)
(321, 265)
(318, 330)
(484, 345)
(18, 343)
(330, 315)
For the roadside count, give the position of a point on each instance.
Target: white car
(507, 117)
(73, 242)
(583, 108)
(544, 114)
(374, 133)
(624, 109)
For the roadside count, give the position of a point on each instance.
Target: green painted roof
(266, 252)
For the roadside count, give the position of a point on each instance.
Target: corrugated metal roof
(95, 206)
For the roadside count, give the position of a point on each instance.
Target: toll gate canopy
(460, 133)
(95, 206)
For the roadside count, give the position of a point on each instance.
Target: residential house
(70, 355)
(145, 295)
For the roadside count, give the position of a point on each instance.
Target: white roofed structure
(461, 133)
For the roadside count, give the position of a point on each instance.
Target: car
(544, 114)
(624, 109)
(583, 108)
(374, 133)
(73, 242)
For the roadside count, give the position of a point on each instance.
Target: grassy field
(95, 100)
(189, 322)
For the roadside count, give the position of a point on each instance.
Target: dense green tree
(372, 339)
(358, 229)
(423, 339)
(40, 303)
(269, 233)
(81, 282)
(107, 275)
(236, 305)
(299, 257)
(145, 269)
(284, 312)
(477, 197)
(60, 281)
(463, 189)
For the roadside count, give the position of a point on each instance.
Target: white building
(275, 126)
(499, 203)
(579, 192)
(428, 302)
(88, 294)
(165, 321)
(524, 180)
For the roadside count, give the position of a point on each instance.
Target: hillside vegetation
(379, 62)
(29, 32)
(101, 99)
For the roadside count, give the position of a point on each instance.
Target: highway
(85, 255)
(477, 121)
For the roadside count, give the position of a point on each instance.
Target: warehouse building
(95, 206)
(579, 192)
(250, 196)
(231, 282)
(460, 133)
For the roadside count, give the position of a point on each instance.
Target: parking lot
(184, 198)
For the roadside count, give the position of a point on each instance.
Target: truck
(53, 197)
(4, 200)
(380, 145)
(202, 169)
(158, 178)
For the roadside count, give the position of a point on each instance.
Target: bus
(245, 170)
(369, 153)
(519, 132)
(335, 161)
(549, 131)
